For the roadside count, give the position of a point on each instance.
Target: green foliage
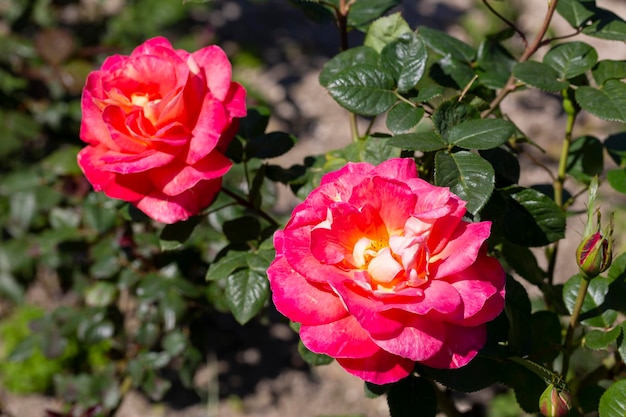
(138, 299)
(412, 396)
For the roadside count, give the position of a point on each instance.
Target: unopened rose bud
(595, 253)
(555, 402)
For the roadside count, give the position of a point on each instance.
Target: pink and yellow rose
(157, 123)
(382, 271)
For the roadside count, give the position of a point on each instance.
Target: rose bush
(381, 271)
(157, 123)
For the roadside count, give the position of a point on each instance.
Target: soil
(267, 378)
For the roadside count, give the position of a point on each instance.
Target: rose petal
(93, 129)
(206, 134)
(461, 250)
(419, 339)
(123, 163)
(89, 161)
(175, 178)
(216, 68)
(367, 309)
(481, 287)
(440, 301)
(343, 338)
(461, 345)
(235, 100)
(380, 368)
(300, 300)
(398, 169)
(377, 192)
(171, 209)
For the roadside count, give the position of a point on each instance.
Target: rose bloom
(157, 123)
(381, 271)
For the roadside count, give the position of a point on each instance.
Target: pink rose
(381, 271)
(157, 123)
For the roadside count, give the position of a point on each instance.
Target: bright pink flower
(157, 123)
(381, 271)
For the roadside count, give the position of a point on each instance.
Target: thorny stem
(558, 186)
(573, 321)
(342, 23)
(562, 173)
(249, 205)
(528, 52)
(507, 21)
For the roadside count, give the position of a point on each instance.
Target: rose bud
(555, 402)
(595, 252)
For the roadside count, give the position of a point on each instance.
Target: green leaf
(385, 30)
(480, 373)
(228, 264)
(545, 328)
(312, 358)
(423, 141)
(608, 70)
(571, 59)
(375, 391)
(599, 339)
(270, 145)
(444, 44)
(23, 209)
(260, 260)
(606, 25)
(100, 294)
(370, 149)
(10, 288)
(346, 59)
(285, 175)
(428, 93)
(505, 164)
(523, 261)
(607, 103)
(585, 158)
(539, 75)
(363, 12)
(517, 308)
(406, 57)
(452, 73)
(365, 90)
(468, 175)
(618, 268)
(594, 311)
(481, 133)
(255, 122)
(174, 236)
(99, 212)
(242, 229)
(62, 161)
(532, 218)
(621, 342)
(246, 292)
(576, 12)
(450, 113)
(494, 64)
(412, 396)
(617, 179)
(613, 401)
(171, 308)
(403, 117)
(175, 343)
